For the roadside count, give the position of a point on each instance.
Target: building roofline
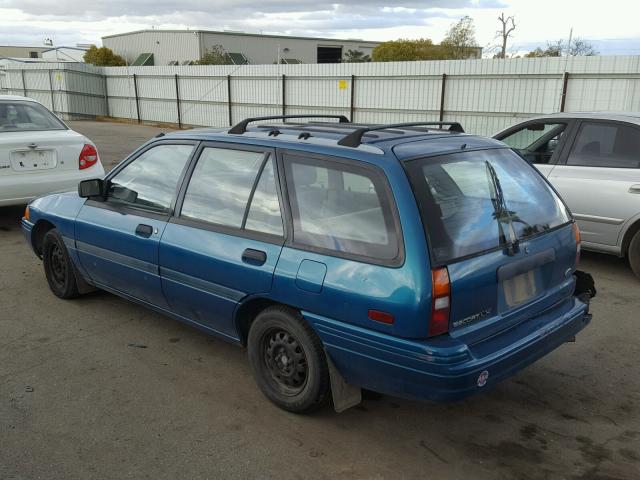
(217, 32)
(20, 46)
(66, 48)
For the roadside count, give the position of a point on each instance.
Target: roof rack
(354, 139)
(241, 127)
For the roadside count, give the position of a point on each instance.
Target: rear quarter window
(344, 208)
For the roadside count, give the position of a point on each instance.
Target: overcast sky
(612, 25)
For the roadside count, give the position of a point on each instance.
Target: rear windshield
(26, 116)
(480, 200)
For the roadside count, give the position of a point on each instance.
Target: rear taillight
(576, 234)
(440, 302)
(88, 157)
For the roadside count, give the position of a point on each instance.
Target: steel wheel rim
(58, 266)
(285, 361)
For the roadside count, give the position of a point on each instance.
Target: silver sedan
(593, 160)
(39, 154)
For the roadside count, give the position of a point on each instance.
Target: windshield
(480, 200)
(27, 116)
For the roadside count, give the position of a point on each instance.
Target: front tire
(288, 360)
(634, 254)
(58, 267)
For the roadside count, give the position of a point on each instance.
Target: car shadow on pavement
(10, 217)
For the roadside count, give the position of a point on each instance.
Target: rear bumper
(443, 368)
(20, 189)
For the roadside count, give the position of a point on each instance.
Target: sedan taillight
(88, 157)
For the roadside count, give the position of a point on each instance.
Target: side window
(342, 208)
(264, 213)
(149, 182)
(537, 141)
(221, 191)
(220, 186)
(606, 145)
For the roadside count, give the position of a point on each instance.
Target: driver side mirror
(95, 189)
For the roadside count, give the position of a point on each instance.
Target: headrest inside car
(304, 175)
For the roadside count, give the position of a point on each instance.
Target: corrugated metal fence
(484, 95)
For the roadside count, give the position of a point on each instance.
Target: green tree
(216, 55)
(355, 56)
(408, 50)
(554, 49)
(103, 57)
(460, 41)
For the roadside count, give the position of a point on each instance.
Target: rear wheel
(634, 254)
(57, 266)
(288, 360)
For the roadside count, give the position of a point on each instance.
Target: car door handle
(255, 257)
(143, 230)
(634, 188)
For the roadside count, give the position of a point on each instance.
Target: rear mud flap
(344, 395)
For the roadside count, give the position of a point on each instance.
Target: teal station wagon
(409, 259)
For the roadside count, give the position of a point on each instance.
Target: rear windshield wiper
(502, 212)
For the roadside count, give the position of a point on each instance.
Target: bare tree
(505, 32)
(582, 47)
(578, 47)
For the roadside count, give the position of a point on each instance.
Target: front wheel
(634, 254)
(57, 266)
(288, 360)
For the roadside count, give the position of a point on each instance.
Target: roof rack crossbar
(241, 127)
(354, 139)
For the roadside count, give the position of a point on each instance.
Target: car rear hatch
(504, 236)
(31, 152)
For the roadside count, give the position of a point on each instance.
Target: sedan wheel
(634, 254)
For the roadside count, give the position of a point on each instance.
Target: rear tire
(634, 254)
(58, 267)
(288, 360)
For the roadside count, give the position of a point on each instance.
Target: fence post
(106, 95)
(284, 95)
(229, 99)
(178, 103)
(135, 90)
(565, 83)
(24, 85)
(444, 82)
(53, 104)
(352, 107)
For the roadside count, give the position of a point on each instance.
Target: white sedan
(39, 154)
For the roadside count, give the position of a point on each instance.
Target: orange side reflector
(26, 213)
(576, 232)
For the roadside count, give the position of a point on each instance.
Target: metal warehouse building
(178, 47)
